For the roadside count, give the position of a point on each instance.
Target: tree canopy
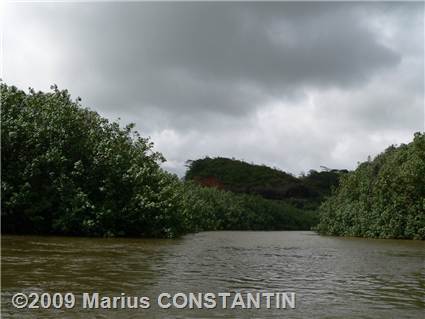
(383, 197)
(67, 170)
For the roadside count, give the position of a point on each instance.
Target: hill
(270, 183)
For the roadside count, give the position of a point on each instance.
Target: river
(332, 277)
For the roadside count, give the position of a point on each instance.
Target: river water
(332, 277)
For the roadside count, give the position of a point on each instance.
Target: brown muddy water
(332, 277)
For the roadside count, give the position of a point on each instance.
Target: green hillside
(241, 177)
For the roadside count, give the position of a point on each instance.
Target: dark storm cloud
(223, 57)
(194, 73)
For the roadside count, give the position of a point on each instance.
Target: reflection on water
(332, 277)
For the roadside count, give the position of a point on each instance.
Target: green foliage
(208, 208)
(66, 170)
(383, 198)
(322, 183)
(240, 177)
(272, 199)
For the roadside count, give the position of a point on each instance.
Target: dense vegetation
(383, 198)
(237, 176)
(223, 210)
(66, 170)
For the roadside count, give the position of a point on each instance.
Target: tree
(67, 170)
(383, 197)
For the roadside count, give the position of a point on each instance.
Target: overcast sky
(290, 85)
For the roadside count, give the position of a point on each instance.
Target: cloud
(295, 85)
